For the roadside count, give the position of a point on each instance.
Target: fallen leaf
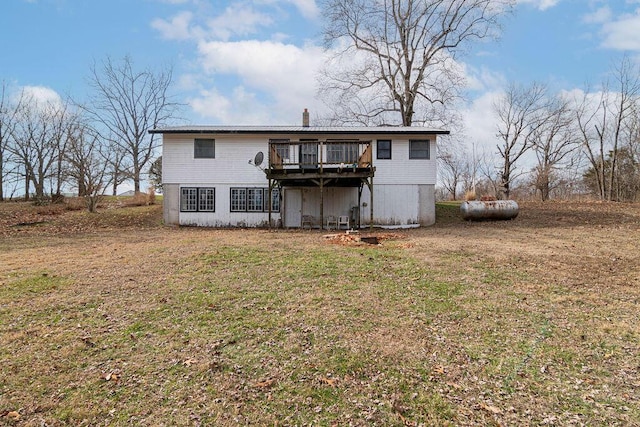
(265, 384)
(438, 370)
(329, 381)
(189, 362)
(14, 415)
(111, 376)
(407, 422)
(489, 408)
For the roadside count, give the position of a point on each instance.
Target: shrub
(470, 195)
(75, 203)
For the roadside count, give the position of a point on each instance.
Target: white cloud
(480, 120)
(178, 28)
(42, 95)
(482, 79)
(308, 8)
(622, 33)
(237, 20)
(284, 74)
(599, 16)
(541, 4)
(211, 104)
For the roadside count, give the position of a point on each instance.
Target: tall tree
(155, 174)
(128, 103)
(38, 141)
(521, 112)
(606, 122)
(397, 57)
(88, 157)
(8, 112)
(553, 144)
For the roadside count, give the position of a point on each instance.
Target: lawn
(113, 319)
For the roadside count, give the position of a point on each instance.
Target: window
(189, 200)
(384, 148)
(419, 149)
(194, 199)
(254, 199)
(342, 153)
(206, 199)
(238, 200)
(204, 148)
(275, 200)
(281, 147)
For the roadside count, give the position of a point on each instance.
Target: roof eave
(320, 131)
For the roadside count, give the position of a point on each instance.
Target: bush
(75, 203)
(141, 199)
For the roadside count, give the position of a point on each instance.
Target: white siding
(400, 169)
(230, 166)
(399, 183)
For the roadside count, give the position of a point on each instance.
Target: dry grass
(112, 319)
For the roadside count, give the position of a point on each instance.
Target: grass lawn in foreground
(121, 321)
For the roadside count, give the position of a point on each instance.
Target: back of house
(259, 176)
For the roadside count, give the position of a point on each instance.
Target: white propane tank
(476, 210)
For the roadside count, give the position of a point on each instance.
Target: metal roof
(352, 130)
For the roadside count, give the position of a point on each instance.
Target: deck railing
(319, 154)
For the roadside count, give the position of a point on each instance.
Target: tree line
(396, 64)
(89, 147)
(580, 142)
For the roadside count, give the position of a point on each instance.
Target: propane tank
(476, 210)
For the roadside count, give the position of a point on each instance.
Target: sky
(255, 61)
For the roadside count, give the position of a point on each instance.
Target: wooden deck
(324, 163)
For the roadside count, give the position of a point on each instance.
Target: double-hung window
(197, 199)
(383, 148)
(419, 149)
(204, 148)
(254, 199)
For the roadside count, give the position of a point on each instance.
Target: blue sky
(254, 61)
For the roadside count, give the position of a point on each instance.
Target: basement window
(197, 199)
(254, 199)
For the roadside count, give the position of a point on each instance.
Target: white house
(256, 176)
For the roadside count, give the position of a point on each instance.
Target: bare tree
(128, 103)
(589, 113)
(606, 122)
(397, 57)
(88, 157)
(627, 80)
(553, 144)
(37, 142)
(489, 183)
(8, 112)
(521, 111)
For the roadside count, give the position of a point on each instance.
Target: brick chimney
(305, 118)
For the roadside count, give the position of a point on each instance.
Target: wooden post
(371, 204)
(321, 203)
(270, 200)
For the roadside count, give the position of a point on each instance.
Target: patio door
(309, 155)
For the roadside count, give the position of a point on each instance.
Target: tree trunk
(1, 177)
(27, 186)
